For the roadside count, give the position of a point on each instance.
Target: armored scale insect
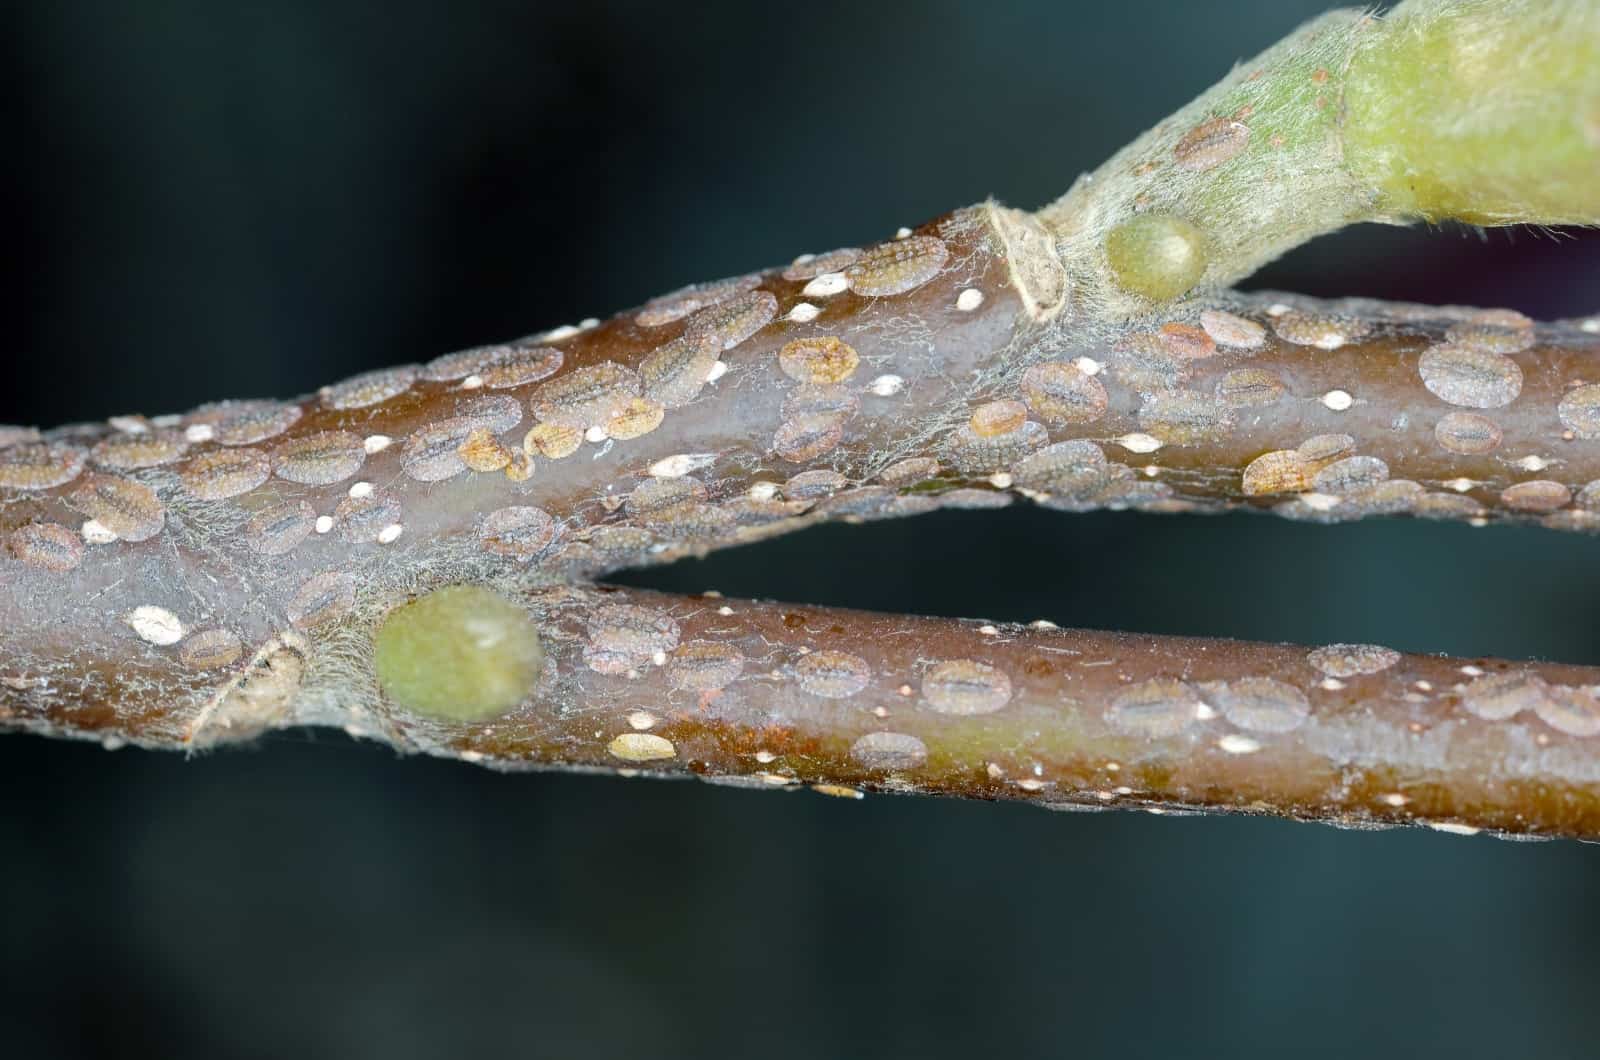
(415, 554)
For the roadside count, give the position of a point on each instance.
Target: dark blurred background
(208, 200)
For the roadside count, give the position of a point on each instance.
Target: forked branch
(411, 555)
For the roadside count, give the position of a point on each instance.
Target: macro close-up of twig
(430, 555)
(406, 554)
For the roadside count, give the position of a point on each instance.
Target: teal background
(208, 200)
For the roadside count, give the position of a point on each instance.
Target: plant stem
(410, 555)
(1482, 111)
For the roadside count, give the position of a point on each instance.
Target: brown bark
(200, 579)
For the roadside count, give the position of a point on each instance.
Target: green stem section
(1486, 112)
(1483, 111)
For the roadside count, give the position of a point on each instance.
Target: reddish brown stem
(194, 579)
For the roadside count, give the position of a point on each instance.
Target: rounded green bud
(1156, 255)
(460, 653)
